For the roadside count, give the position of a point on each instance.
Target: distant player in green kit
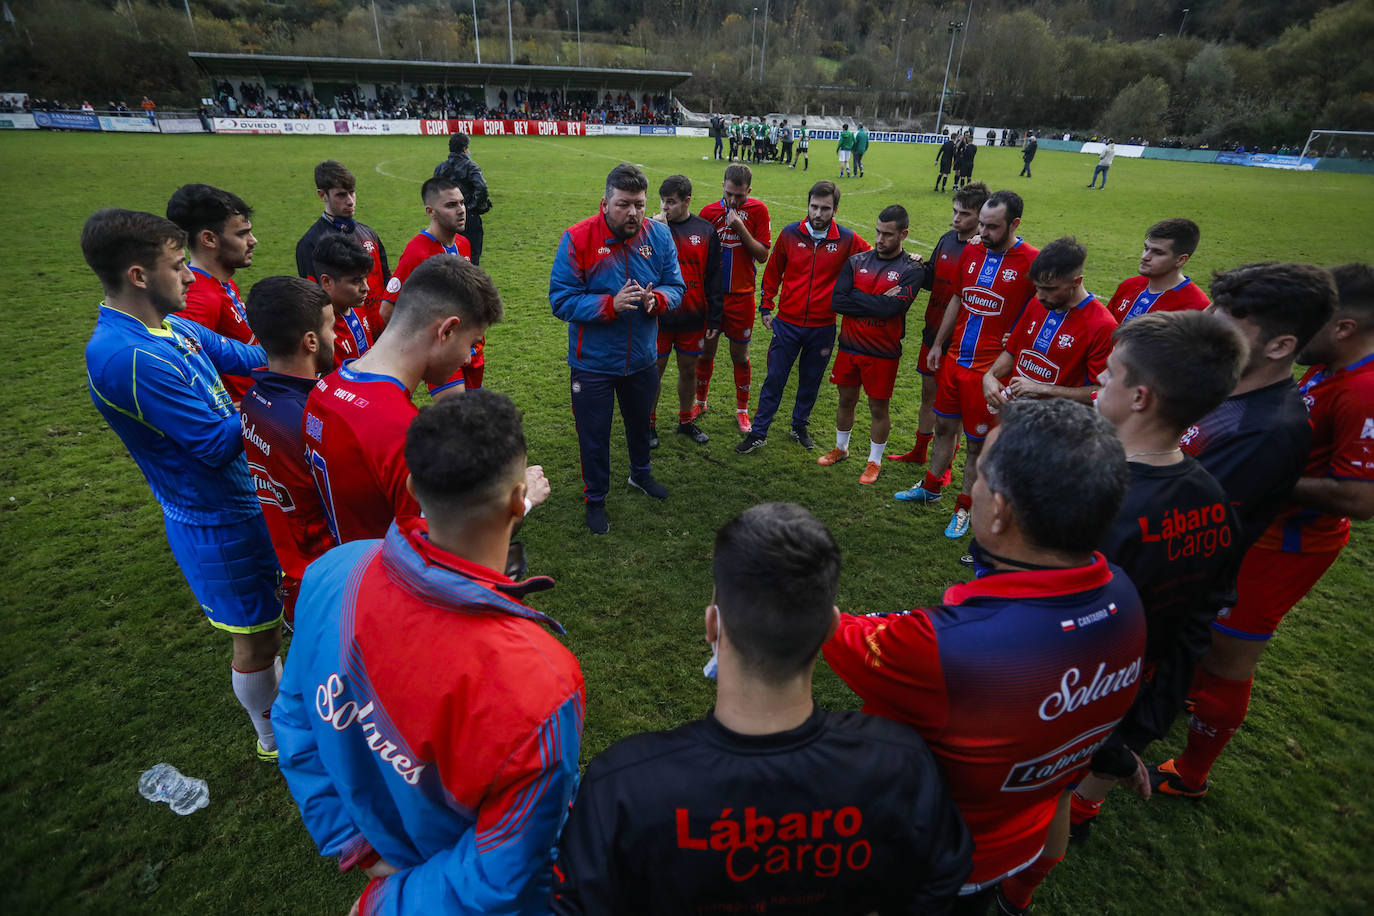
(846, 148)
(803, 145)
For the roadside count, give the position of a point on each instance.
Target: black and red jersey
(1255, 444)
(873, 317)
(942, 279)
(845, 814)
(699, 257)
(366, 236)
(1014, 682)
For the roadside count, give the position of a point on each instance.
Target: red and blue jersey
(160, 391)
(274, 445)
(802, 271)
(872, 322)
(427, 716)
(352, 335)
(591, 266)
(699, 259)
(993, 287)
(355, 434)
(418, 250)
(1341, 405)
(1014, 681)
(1068, 347)
(739, 270)
(217, 306)
(1133, 299)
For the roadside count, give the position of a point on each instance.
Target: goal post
(1365, 139)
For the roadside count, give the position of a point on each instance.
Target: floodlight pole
(763, 55)
(753, 27)
(510, 31)
(578, 5)
(954, 29)
(377, 27)
(476, 38)
(968, 17)
(897, 58)
(1183, 23)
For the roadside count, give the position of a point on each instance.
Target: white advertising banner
(17, 120)
(180, 125)
(125, 124)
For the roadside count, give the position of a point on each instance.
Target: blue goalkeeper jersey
(160, 391)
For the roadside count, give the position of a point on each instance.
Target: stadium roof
(371, 70)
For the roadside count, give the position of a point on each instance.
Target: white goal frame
(1317, 132)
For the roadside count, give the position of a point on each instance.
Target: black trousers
(473, 233)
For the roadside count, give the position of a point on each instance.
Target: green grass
(109, 667)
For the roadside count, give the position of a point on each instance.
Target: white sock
(875, 451)
(255, 691)
(842, 439)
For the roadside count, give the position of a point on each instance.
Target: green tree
(1139, 109)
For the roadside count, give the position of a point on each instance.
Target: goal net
(1343, 144)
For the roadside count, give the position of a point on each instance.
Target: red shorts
(688, 342)
(921, 361)
(959, 393)
(738, 320)
(877, 374)
(1269, 584)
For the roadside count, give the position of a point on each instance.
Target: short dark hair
(1190, 360)
(337, 256)
(1182, 234)
(461, 451)
(445, 285)
(824, 188)
(332, 174)
(1061, 258)
(776, 569)
(1009, 199)
(895, 213)
(1355, 289)
(280, 310)
(1282, 299)
(972, 196)
(739, 174)
(626, 177)
(679, 186)
(458, 142)
(433, 187)
(1042, 443)
(197, 207)
(114, 240)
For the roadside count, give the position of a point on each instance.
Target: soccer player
(294, 320)
(742, 224)
(800, 277)
(803, 147)
(155, 378)
(734, 138)
(860, 147)
(1104, 162)
(1161, 285)
(877, 834)
(429, 723)
(845, 147)
(341, 267)
(356, 417)
(447, 211)
(1059, 347)
(995, 285)
(1028, 150)
(338, 189)
(944, 157)
(1294, 503)
(220, 240)
(614, 273)
(788, 138)
(872, 295)
(467, 175)
(963, 160)
(1015, 678)
(687, 328)
(942, 279)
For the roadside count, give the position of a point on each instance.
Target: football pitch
(109, 667)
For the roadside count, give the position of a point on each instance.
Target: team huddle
(427, 720)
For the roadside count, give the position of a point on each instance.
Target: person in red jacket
(800, 279)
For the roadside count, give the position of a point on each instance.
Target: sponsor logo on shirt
(342, 716)
(818, 843)
(1073, 694)
(981, 301)
(1037, 366)
(1197, 532)
(1044, 770)
(270, 492)
(250, 432)
(603, 250)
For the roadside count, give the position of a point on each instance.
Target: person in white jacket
(1104, 162)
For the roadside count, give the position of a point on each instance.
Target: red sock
(741, 387)
(684, 416)
(1221, 707)
(964, 502)
(922, 446)
(1019, 888)
(1082, 810)
(704, 368)
(932, 484)
(653, 418)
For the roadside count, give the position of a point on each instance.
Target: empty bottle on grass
(164, 783)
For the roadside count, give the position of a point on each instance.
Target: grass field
(109, 667)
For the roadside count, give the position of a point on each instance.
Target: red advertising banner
(504, 128)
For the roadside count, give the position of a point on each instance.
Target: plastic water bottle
(164, 783)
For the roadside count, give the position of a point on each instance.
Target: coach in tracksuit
(614, 273)
(804, 264)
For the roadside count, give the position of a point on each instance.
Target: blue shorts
(233, 572)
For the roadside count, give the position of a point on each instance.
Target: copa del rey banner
(504, 128)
